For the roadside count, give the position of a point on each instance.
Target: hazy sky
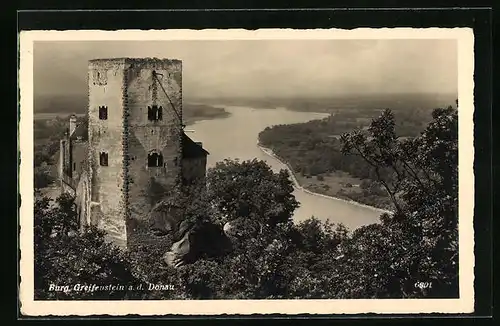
(266, 68)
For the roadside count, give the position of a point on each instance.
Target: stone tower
(135, 140)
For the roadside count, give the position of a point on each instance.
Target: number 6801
(423, 285)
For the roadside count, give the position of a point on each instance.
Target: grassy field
(330, 184)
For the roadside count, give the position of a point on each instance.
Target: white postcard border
(465, 304)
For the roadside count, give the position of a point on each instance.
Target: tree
(252, 191)
(66, 256)
(421, 177)
(42, 177)
(259, 205)
(271, 257)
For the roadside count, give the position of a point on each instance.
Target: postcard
(274, 171)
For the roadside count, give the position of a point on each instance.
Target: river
(236, 137)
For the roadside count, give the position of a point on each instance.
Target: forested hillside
(313, 150)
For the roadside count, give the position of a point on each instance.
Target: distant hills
(341, 102)
(78, 103)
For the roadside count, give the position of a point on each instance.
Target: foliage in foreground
(272, 257)
(421, 176)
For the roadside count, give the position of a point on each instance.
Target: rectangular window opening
(159, 113)
(155, 159)
(103, 159)
(155, 113)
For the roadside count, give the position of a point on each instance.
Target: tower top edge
(107, 61)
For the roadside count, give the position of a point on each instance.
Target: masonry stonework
(106, 85)
(145, 137)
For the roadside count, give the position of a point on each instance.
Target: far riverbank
(236, 136)
(297, 184)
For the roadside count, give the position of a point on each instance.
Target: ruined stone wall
(60, 162)
(78, 156)
(106, 88)
(67, 189)
(66, 156)
(82, 200)
(143, 136)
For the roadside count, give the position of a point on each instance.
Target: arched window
(155, 113)
(103, 159)
(155, 159)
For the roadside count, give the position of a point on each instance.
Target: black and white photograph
(247, 172)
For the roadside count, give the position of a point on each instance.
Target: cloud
(266, 68)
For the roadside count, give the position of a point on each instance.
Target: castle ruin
(133, 140)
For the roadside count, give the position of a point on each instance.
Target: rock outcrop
(179, 252)
(203, 239)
